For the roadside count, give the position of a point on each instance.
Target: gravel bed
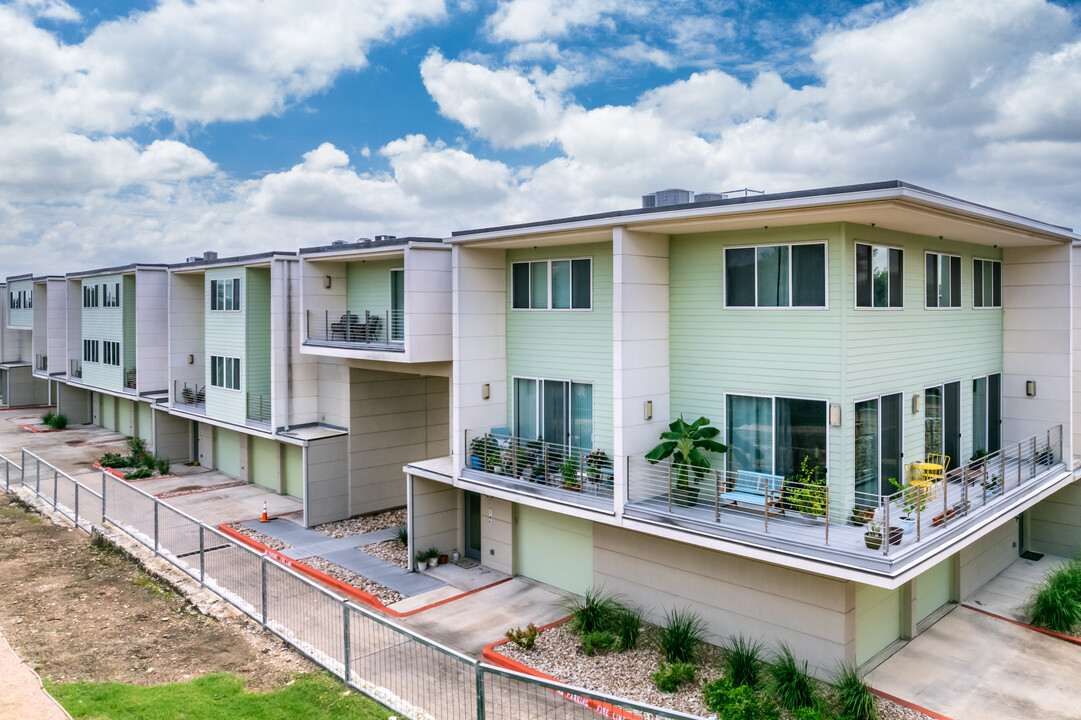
(272, 543)
(362, 524)
(558, 653)
(385, 594)
(390, 551)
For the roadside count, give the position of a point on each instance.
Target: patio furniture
(755, 490)
(943, 461)
(348, 328)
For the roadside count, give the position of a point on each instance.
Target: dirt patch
(363, 524)
(391, 551)
(75, 612)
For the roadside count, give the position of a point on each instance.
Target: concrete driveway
(971, 666)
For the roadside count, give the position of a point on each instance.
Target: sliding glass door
(556, 411)
(879, 444)
(942, 421)
(987, 413)
(773, 435)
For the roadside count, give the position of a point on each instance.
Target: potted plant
(862, 514)
(872, 538)
(188, 394)
(433, 557)
(687, 445)
(596, 461)
(422, 559)
(481, 448)
(975, 467)
(806, 492)
(913, 498)
(568, 470)
(992, 486)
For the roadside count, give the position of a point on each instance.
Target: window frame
(568, 414)
(91, 351)
(960, 278)
(549, 284)
(986, 412)
(107, 356)
(227, 298)
(856, 279)
(726, 430)
(825, 288)
(234, 370)
(983, 305)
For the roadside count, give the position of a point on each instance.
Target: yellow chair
(937, 473)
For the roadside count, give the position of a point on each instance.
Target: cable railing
(358, 327)
(41, 363)
(191, 396)
(75, 368)
(565, 472)
(130, 378)
(258, 407)
(825, 515)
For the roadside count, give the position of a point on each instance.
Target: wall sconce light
(191, 359)
(915, 403)
(835, 415)
(1030, 388)
(485, 391)
(648, 410)
(326, 281)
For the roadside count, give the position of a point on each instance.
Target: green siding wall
(257, 334)
(127, 305)
(101, 324)
(555, 549)
(933, 588)
(227, 451)
(367, 286)
(839, 354)
(263, 464)
(143, 425)
(571, 345)
(293, 470)
(878, 620)
(124, 416)
(108, 411)
(23, 317)
(226, 337)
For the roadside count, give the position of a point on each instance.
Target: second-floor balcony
(189, 396)
(367, 329)
(75, 369)
(258, 408)
(559, 472)
(41, 363)
(130, 378)
(833, 523)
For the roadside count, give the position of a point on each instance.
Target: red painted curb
(910, 706)
(119, 474)
(342, 587)
(604, 709)
(115, 473)
(35, 430)
(1043, 631)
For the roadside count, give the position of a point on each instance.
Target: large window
(552, 285)
(90, 351)
(773, 435)
(23, 299)
(987, 413)
(225, 372)
(556, 411)
(776, 276)
(90, 296)
(943, 281)
(110, 294)
(110, 352)
(879, 446)
(879, 277)
(986, 284)
(225, 294)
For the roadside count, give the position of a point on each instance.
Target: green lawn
(314, 696)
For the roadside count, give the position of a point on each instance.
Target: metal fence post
(22, 468)
(202, 556)
(345, 625)
(264, 593)
(37, 472)
(56, 485)
(103, 514)
(155, 527)
(76, 504)
(480, 691)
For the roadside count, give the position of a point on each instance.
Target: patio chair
(937, 459)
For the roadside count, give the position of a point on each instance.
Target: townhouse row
(505, 384)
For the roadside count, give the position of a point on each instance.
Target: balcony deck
(589, 497)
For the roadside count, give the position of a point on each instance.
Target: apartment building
(19, 383)
(852, 331)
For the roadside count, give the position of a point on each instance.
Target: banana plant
(686, 443)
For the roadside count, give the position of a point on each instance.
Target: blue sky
(155, 130)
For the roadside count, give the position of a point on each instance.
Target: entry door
(397, 304)
(879, 444)
(951, 432)
(472, 525)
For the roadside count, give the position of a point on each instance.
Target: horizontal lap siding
(21, 317)
(368, 286)
(257, 333)
(571, 345)
(127, 345)
(101, 324)
(226, 336)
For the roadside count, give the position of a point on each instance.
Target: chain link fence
(414, 676)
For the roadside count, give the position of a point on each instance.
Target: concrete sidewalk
(23, 696)
(970, 666)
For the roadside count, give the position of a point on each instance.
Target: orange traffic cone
(264, 518)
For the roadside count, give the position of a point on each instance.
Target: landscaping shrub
(403, 536)
(47, 419)
(595, 611)
(627, 626)
(113, 460)
(790, 683)
(59, 422)
(139, 474)
(524, 639)
(137, 446)
(162, 465)
(1057, 602)
(670, 677)
(737, 702)
(857, 702)
(743, 661)
(809, 713)
(597, 640)
(682, 633)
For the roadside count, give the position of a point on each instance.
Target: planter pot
(454, 556)
(873, 541)
(685, 496)
(475, 462)
(443, 559)
(896, 535)
(572, 488)
(943, 517)
(433, 562)
(812, 518)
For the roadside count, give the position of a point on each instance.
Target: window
(879, 277)
(879, 446)
(943, 279)
(110, 294)
(776, 276)
(110, 352)
(552, 285)
(773, 435)
(225, 294)
(90, 296)
(225, 372)
(90, 351)
(556, 411)
(987, 413)
(21, 300)
(986, 284)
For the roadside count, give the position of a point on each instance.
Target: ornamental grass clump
(627, 626)
(857, 701)
(1057, 602)
(594, 612)
(743, 661)
(790, 682)
(682, 633)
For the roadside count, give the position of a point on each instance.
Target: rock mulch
(362, 524)
(390, 551)
(272, 543)
(383, 593)
(558, 653)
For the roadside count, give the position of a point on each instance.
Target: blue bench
(755, 490)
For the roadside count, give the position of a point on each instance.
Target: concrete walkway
(21, 693)
(1010, 592)
(344, 551)
(970, 666)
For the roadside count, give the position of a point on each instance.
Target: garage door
(123, 416)
(108, 412)
(933, 589)
(293, 470)
(143, 424)
(263, 462)
(555, 549)
(227, 451)
(878, 620)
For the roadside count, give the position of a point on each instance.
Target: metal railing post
(22, 468)
(263, 574)
(716, 496)
(76, 504)
(886, 530)
(202, 556)
(1020, 454)
(480, 691)
(669, 487)
(1032, 467)
(155, 527)
(827, 489)
(345, 645)
(37, 471)
(56, 485)
(103, 514)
